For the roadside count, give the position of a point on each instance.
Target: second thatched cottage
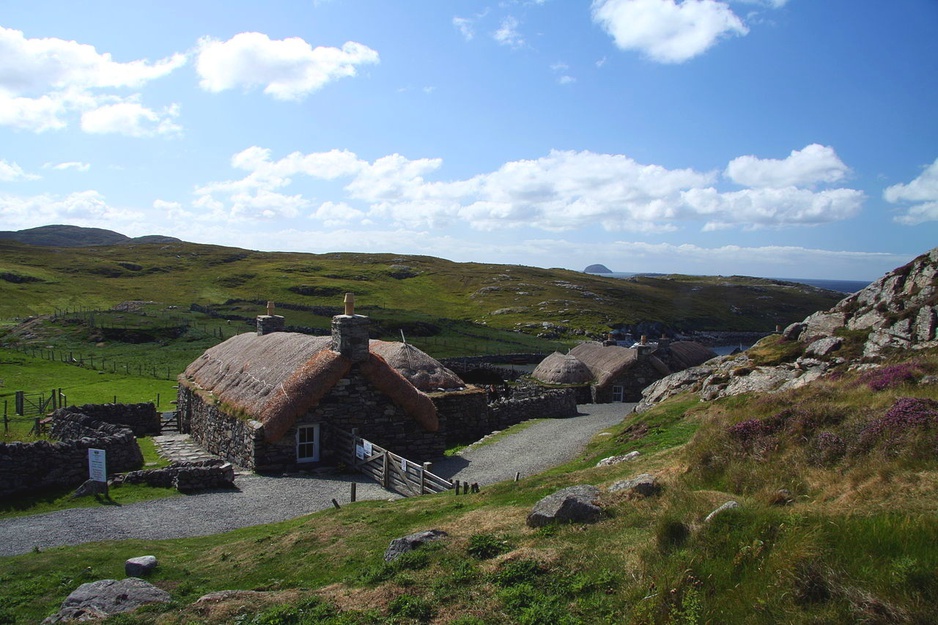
(611, 373)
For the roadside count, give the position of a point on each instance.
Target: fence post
(385, 471)
(352, 494)
(20, 400)
(427, 467)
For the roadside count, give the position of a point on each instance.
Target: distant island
(597, 269)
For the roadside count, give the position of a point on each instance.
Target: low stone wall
(143, 419)
(25, 467)
(184, 476)
(467, 415)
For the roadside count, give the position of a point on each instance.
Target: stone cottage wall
(25, 467)
(354, 403)
(226, 436)
(633, 381)
(143, 419)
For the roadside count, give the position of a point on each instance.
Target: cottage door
(307, 443)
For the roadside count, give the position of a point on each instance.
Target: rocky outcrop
(897, 312)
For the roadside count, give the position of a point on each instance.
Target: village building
(267, 400)
(606, 372)
(275, 401)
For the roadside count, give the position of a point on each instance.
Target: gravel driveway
(261, 499)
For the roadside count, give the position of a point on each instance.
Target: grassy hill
(838, 490)
(554, 303)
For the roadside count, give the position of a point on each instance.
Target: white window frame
(618, 393)
(315, 442)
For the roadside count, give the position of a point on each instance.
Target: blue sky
(783, 138)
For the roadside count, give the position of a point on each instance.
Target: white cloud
(76, 165)
(43, 80)
(665, 30)
(508, 34)
(83, 208)
(132, 119)
(565, 190)
(287, 69)
(333, 214)
(813, 164)
(465, 26)
(11, 172)
(923, 189)
(770, 207)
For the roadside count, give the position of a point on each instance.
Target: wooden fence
(388, 469)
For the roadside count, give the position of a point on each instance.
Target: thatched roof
(604, 361)
(277, 377)
(562, 369)
(424, 372)
(687, 354)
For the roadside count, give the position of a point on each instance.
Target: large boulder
(574, 504)
(103, 598)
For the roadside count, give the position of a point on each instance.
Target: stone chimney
(270, 322)
(350, 332)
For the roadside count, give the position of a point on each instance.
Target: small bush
(827, 448)
(671, 533)
(518, 572)
(408, 606)
(891, 376)
(901, 425)
(485, 546)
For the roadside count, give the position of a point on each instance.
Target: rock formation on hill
(897, 312)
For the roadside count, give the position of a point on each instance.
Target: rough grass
(857, 541)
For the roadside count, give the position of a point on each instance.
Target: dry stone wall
(468, 416)
(25, 467)
(143, 419)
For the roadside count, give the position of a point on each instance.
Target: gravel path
(260, 499)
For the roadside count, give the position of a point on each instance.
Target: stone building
(611, 373)
(266, 401)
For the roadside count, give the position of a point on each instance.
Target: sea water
(841, 286)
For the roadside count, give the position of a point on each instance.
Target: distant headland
(597, 269)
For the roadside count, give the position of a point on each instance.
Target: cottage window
(307, 443)
(618, 393)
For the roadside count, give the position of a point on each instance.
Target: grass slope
(854, 538)
(562, 304)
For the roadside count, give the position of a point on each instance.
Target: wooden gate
(387, 468)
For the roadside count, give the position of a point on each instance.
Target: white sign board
(359, 452)
(97, 465)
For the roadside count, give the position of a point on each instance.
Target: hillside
(76, 236)
(834, 513)
(553, 303)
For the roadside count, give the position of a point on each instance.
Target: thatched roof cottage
(264, 401)
(618, 374)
